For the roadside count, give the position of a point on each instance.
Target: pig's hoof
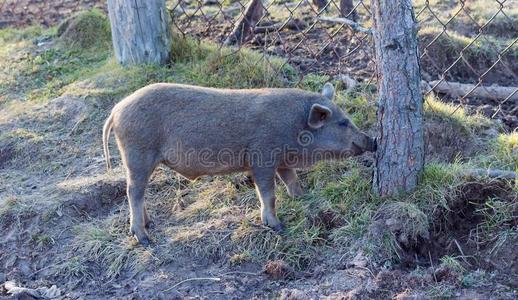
(278, 228)
(141, 237)
(144, 241)
(149, 224)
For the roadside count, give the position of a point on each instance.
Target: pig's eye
(344, 123)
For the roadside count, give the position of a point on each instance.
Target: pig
(200, 131)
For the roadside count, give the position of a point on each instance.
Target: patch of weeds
(15, 208)
(351, 190)
(360, 105)
(296, 246)
(10, 34)
(488, 15)
(441, 291)
(452, 263)
(74, 267)
(111, 81)
(474, 279)
(240, 258)
(505, 151)
(308, 222)
(22, 143)
(41, 74)
(324, 172)
(55, 68)
(102, 246)
(439, 184)
(210, 65)
(395, 228)
(452, 43)
(314, 82)
(21, 134)
(434, 108)
(497, 215)
(40, 68)
(42, 240)
(354, 229)
(87, 29)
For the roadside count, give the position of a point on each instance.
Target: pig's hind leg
(139, 166)
(264, 179)
(289, 177)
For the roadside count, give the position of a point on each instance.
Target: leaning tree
(140, 31)
(400, 154)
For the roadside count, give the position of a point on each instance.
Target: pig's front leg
(289, 177)
(264, 179)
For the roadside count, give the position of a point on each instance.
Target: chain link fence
(468, 48)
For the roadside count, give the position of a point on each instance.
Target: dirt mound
(442, 50)
(87, 29)
(474, 230)
(448, 141)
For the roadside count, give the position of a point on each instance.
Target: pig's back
(215, 118)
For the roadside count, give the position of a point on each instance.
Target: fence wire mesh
(468, 48)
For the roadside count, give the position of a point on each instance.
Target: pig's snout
(372, 144)
(366, 143)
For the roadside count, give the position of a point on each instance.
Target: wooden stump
(140, 31)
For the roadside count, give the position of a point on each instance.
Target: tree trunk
(400, 154)
(244, 28)
(140, 31)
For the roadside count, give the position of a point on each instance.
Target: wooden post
(400, 154)
(140, 31)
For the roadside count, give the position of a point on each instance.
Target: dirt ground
(65, 219)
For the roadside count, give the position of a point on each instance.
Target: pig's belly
(198, 165)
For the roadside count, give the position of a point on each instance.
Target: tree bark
(244, 28)
(400, 154)
(140, 31)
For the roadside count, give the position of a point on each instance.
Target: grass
(472, 14)
(14, 208)
(104, 246)
(452, 263)
(506, 150)
(447, 112)
(210, 65)
(86, 30)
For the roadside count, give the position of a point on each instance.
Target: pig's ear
(328, 91)
(318, 115)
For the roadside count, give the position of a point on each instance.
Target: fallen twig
(456, 89)
(351, 23)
